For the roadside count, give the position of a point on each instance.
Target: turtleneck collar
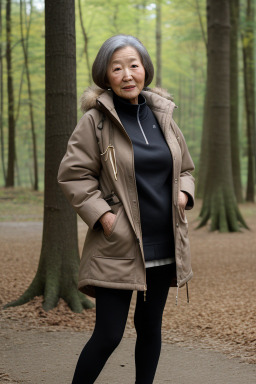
(132, 109)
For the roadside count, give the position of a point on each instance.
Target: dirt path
(49, 357)
(220, 317)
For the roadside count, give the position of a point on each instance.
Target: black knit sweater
(153, 170)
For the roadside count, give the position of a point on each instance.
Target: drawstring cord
(178, 293)
(111, 154)
(110, 150)
(187, 293)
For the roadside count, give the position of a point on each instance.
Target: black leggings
(112, 307)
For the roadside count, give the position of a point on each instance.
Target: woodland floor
(222, 309)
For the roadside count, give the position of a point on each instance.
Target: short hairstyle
(100, 65)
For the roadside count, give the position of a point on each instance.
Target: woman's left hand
(182, 200)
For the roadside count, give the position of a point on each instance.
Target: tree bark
(219, 202)
(30, 100)
(57, 272)
(11, 122)
(234, 131)
(158, 43)
(249, 84)
(203, 160)
(2, 100)
(202, 169)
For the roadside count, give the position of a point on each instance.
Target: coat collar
(156, 98)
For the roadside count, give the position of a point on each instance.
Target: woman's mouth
(129, 87)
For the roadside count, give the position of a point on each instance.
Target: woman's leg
(112, 307)
(148, 322)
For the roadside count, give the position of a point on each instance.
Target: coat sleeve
(79, 172)
(187, 181)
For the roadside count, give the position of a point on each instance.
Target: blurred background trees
(175, 34)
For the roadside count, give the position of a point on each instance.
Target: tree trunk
(192, 106)
(200, 186)
(11, 123)
(137, 18)
(85, 35)
(179, 114)
(201, 23)
(57, 272)
(248, 59)
(234, 131)
(17, 170)
(1, 99)
(114, 19)
(158, 44)
(203, 166)
(31, 112)
(219, 202)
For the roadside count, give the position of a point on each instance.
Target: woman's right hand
(107, 221)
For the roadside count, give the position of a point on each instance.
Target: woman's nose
(127, 74)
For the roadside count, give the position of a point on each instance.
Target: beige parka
(97, 175)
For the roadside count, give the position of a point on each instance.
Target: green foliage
(183, 64)
(36, 59)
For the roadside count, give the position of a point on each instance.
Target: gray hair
(100, 65)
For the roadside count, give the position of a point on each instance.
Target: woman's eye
(116, 69)
(134, 65)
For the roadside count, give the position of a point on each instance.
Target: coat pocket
(119, 212)
(112, 269)
(121, 243)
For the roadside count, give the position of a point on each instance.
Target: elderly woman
(127, 174)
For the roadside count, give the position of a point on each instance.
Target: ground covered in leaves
(222, 309)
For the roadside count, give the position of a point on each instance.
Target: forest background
(183, 61)
(194, 57)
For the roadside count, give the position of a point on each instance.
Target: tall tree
(202, 174)
(11, 122)
(219, 202)
(137, 18)
(234, 131)
(57, 272)
(86, 39)
(158, 43)
(201, 183)
(249, 89)
(1, 98)
(24, 42)
(198, 11)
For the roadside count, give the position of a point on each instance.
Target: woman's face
(126, 74)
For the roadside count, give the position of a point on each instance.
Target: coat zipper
(103, 106)
(175, 205)
(138, 120)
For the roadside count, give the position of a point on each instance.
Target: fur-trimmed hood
(89, 97)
